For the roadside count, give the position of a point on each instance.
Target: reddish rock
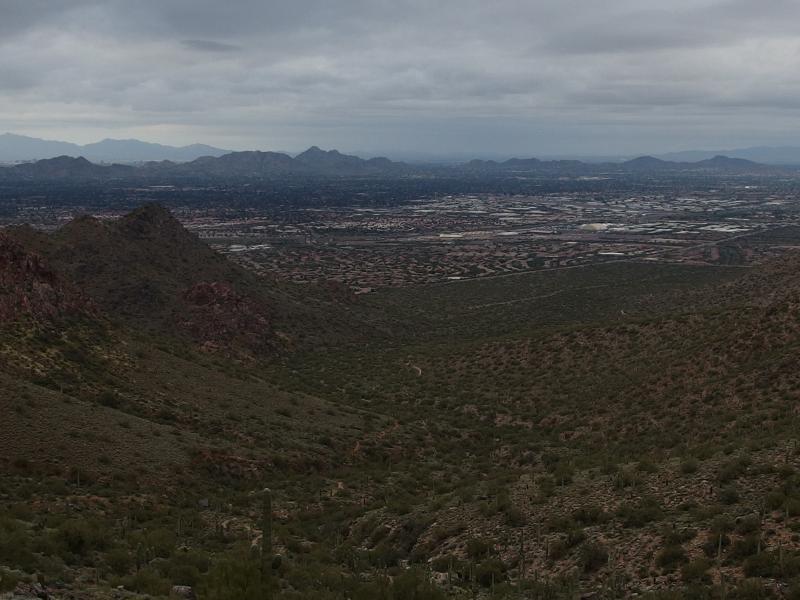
(219, 317)
(30, 289)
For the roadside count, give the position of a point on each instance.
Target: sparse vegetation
(542, 447)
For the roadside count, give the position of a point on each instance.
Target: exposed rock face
(218, 316)
(183, 591)
(29, 288)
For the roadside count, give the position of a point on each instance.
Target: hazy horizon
(691, 155)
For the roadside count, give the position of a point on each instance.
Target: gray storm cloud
(545, 77)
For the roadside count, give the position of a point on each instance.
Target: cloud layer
(543, 77)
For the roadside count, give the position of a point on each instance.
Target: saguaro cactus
(266, 543)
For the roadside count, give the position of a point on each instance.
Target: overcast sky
(535, 77)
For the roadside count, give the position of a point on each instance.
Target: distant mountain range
(20, 148)
(16, 148)
(313, 161)
(770, 155)
(642, 164)
(332, 163)
(249, 164)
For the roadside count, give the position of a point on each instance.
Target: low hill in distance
(770, 155)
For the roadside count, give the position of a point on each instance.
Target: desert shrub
(183, 574)
(752, 589)
(646, 466)
(8, 580)
(442, 564)
(191, 558)
(689, 465)
(714, 542)
(664, 595)
(547, 487)
(763, 564)
(770, 564)
(626, 478)
(413, 585)
(728, 495)
(386, 555)
(160, 543)
(671, 557)
(561, 547)
(379, 534)
(558, 549)
(563, 473)
(744, 547)
(774, 500)
(477, 547)
(80, 537)
(15, 545)
(733, 469)
(514, 517)
(589, 514)
(592, 556)
(490, 571)
(233, 578)
(147, 581)
(640, 514)
(109, 399)
(676, 537)
(696, 571)
(793, 593)
(409, 585)
(119, 560)
(748, 524)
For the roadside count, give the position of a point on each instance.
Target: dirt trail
(529, 298)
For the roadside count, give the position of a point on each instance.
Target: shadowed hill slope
(147, 270)
(135, 328)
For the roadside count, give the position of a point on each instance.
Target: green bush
(592, 556)
(490, 571)
(671, 557)
(763, 564)
(514, 517)
(744, 547)
(15, 546)
(748, 524)
(183, 575)
(147, 581)
(119, 561)
(80, 537)
(689, 465)
(752, 589)
(413, 585)
(589, 514)
(696, 571)
(233, 578)
(729, 495)
(645, 511)
(8, 580)
(477, 547)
